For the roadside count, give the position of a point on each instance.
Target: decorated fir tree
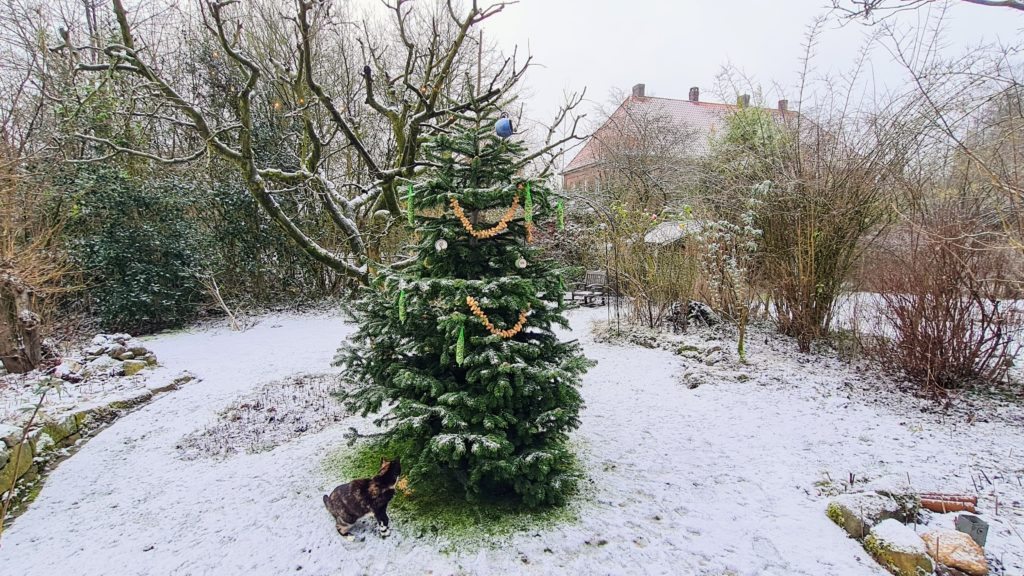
(456, 352)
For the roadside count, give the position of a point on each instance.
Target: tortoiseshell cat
(350, 502)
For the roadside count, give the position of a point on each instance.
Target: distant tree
(642, 155)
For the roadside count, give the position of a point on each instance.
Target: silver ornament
(521, 263)
(441, 245)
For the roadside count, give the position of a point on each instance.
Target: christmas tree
(456, 351)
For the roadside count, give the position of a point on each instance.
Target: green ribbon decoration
(560, 209)
(401, 307)
(408, 206)
(460, 346)
(528, 205)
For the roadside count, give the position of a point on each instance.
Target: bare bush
(32, 268)
(939, 320)
(653, 274)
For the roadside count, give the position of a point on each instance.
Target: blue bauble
(503, 127)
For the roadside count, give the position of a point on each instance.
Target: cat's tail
(327, 502)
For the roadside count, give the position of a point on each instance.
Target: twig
(353, 436)
(210, 283)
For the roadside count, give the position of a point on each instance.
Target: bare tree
(641, 154)
(356, 100)
(882, 9)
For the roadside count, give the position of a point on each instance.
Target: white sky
(671, 45)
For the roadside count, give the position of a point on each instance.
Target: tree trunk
(20, 340)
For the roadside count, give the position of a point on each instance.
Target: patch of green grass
(441, 509)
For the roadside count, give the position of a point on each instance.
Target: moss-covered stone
(133, 367)
(19, 462)
(900, 560)
(58, 431)
(857, 513)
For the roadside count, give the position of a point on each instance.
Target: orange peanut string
(491, 232)
(474, 306)
(529, 232)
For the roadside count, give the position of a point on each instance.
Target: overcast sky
(671, 45)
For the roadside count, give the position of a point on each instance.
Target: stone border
(52, 440)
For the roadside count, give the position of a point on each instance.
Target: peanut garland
(491, 232)
(474, 306)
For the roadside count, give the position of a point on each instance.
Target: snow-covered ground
(727, 477)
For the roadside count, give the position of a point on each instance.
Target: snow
(898, 537)
(731, 476)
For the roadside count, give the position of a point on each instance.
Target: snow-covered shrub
(727, 259)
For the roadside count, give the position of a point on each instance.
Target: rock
(857, 513)
(22, 455)
(701, 313)
(69, 370)
(4, 455)
(94, 351)
(956, 550)
(100, 340)
(897, 547)
(9, 435)
(942, 570)
(133, 367)
(103, 365)
(121, 338)
(714, 358)
(136, 347)
(116, 350)
(59, 431)
(149, 359)
(126, 355)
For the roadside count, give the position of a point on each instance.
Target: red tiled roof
(706, 118)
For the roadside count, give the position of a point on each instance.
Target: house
(692, 122)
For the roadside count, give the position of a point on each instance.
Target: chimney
(743, 101)
(638, 91)
(783, 105)
(695, 94)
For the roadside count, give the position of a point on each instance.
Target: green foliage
(498, 422)
(753, 131)
(138, 246)
(251, 257)
(433, 506)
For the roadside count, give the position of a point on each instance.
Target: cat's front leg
(383, 522)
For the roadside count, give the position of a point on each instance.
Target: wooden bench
(593, 287)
